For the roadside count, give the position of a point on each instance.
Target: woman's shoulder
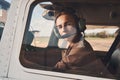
(83, 44)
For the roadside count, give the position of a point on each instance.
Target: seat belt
(112, 49)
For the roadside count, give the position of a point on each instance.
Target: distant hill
(93, 30)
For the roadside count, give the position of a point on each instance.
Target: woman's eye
(59, 27)
(68, 24)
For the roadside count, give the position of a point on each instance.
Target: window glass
(40, 27)
(101, 37)
(43, 49)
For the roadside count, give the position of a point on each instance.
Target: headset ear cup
(82, 24)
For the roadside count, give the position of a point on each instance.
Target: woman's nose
(63, 29)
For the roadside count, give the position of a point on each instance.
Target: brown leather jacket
(80, 54)
(81, 57)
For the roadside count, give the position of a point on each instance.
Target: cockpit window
(40, 28)
(43, 48)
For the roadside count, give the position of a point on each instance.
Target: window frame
(49, 45)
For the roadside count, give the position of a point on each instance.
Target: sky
(38, 23)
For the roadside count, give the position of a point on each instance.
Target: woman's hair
(76, 19)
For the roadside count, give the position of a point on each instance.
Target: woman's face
(65, 24)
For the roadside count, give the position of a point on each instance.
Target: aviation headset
(80, 24)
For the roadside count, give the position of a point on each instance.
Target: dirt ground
(102, 44)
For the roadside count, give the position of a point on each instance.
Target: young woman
(79, 52)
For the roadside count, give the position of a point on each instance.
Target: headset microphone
(62, 36)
